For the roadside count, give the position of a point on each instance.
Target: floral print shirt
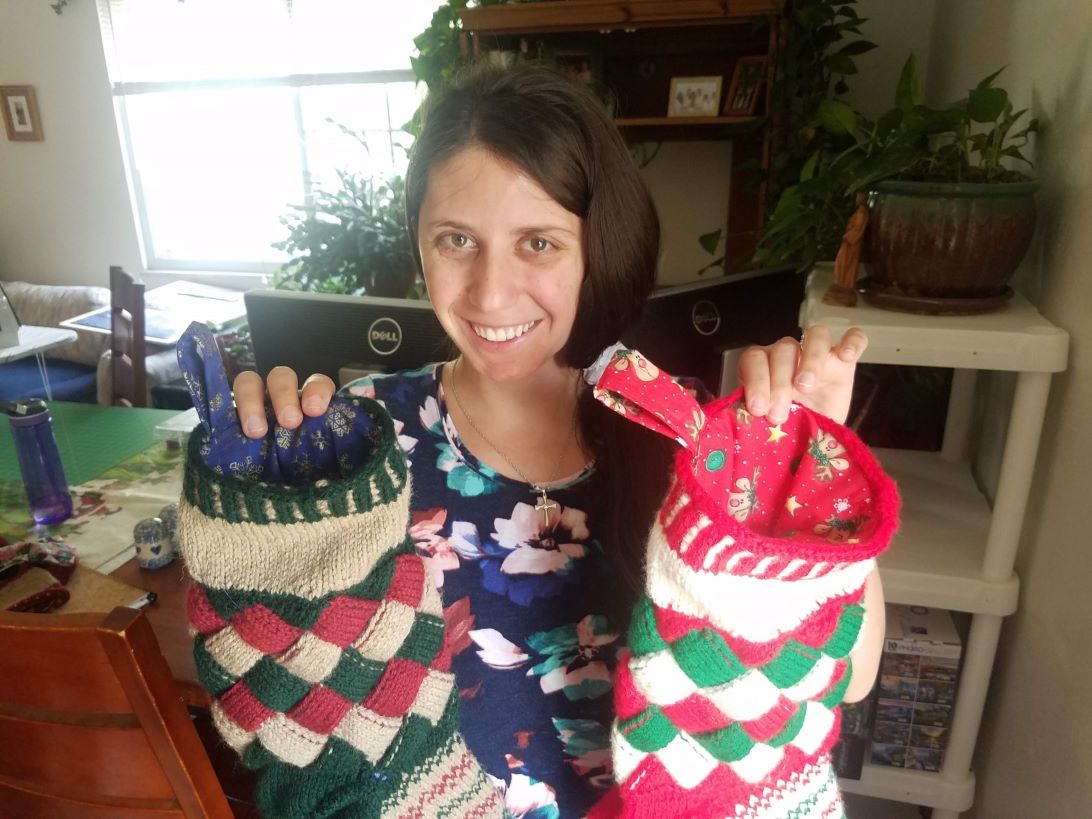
(530, 603)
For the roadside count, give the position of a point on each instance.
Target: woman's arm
(866, 656)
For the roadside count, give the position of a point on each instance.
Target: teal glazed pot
(947, 240)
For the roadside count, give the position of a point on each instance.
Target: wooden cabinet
(633, 50)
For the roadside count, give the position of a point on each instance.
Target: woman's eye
(536, 244)
(457, 241)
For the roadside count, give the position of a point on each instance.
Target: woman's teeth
(502, 333)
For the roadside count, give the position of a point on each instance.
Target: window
(229, 113)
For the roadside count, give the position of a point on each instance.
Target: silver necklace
(544, 504)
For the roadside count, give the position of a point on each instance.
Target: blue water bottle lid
(25, 412)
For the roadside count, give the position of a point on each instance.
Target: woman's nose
(491, 282)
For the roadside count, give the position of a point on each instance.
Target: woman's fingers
(814, 351)
(289, 401)
(852, 345)
(754, 377)
(783, 357)
(283, 387)
(810, 371)
(250, 402)
(317, 391)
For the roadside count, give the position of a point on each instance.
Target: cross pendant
(544, 505)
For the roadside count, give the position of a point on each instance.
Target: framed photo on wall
(694, 97)
(21, 120)
(747, 79)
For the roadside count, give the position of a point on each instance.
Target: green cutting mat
(91, 438)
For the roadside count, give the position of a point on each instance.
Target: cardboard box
(919, 671)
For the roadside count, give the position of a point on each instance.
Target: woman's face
(503, 263)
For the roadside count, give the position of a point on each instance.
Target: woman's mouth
(502, 334)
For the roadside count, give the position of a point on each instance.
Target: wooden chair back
(92, 726)
(127, 366)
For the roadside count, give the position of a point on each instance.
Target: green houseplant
(352, 239)
(949, 221)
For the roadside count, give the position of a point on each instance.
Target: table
(167, 616)
(35, 341)
(168, 311)
(118, 474)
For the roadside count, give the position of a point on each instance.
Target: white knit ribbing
(309, 560)
(755, 609)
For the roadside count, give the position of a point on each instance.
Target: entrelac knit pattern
(321, 638)
(727, 702)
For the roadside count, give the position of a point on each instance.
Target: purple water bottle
(39, 461)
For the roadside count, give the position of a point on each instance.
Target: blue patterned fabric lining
(330, 446)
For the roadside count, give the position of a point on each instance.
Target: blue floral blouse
(531, 606)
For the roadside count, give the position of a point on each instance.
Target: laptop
(325, 333)
(686, 329)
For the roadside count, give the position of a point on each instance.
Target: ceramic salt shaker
(152, 548)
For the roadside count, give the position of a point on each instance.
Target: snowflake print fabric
(318, 448)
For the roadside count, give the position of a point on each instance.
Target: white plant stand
(952, 551)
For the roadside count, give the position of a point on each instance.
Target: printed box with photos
(919, 673)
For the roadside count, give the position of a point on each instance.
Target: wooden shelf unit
(639, 46)
(610, 15)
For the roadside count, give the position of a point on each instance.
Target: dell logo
(705, 317)
(385, 336)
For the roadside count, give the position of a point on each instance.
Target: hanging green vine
(822, 39)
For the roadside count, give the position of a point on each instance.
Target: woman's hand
(290, 403)
(811, 372)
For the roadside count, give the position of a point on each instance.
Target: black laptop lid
(320, 333)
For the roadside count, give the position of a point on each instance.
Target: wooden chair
(127, 366)
(91, 725)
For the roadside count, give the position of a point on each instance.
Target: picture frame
(694, 97)
(747, 78)
(21, 119)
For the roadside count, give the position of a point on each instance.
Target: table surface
(1014, 337)
(167, 616)
(118, 473)
(92, 438)
(169, 309)
(34, 340)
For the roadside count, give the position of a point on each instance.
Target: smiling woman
(532, 502)
(503, 265)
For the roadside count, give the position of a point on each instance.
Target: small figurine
(841, 292)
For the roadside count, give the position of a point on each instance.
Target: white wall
(689, 183)
(64, 203)
(900, 28)
(1036, 743)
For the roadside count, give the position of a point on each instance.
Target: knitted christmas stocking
(727, 703)
(318, 632)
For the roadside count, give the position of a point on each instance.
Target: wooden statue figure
(849, 257)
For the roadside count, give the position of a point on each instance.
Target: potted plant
(351, 240)
(948, 221)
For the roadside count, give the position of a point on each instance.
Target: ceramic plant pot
(946, 247)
